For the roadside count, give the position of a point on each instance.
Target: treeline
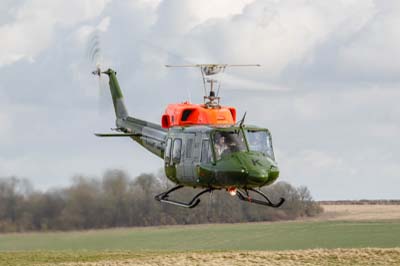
(119, 201)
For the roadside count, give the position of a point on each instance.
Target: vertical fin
(116, 94)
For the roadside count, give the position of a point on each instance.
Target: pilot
(220, 146)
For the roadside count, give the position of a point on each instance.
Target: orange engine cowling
(184, 114)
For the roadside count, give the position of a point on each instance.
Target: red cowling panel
(166, 121)
(197, 114)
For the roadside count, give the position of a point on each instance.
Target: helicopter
(202, 145)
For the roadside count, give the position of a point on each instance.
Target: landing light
(232, 191)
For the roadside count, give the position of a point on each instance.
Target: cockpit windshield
(226, 142)
(260, 140)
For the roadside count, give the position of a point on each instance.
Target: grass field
(257, 236)
(333, 241)
(360, 212)
(365, 257)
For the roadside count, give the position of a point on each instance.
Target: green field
(130, 243)
(256, 236)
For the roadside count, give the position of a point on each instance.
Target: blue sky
(328, 87)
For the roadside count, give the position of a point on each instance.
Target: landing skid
(242, 195)
(246, 197)
(163, 197)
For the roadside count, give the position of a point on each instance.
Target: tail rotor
(95, 58)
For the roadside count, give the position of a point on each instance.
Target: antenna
(212, 100)
(242, 121)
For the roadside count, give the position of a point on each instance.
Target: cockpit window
(206, 153)
(260, 140)
(226, 142)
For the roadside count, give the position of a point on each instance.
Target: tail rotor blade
(95, 57)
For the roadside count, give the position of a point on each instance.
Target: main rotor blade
(216, 65)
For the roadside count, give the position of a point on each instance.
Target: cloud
(83, 33)
(277, 34)
(338, 175)
(35, 22)
(369, 53)
(177, 17)
(5, 127)
(384, 130)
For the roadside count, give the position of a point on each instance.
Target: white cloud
(82, 34)
(277, 34)
(384, 130)
(365, 174)
(371, 52)
(35, 22)
(177, 17)
(5, 127)
(235, 82)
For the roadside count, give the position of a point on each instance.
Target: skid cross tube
(163, 197)
(246, 197)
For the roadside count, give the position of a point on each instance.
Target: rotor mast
(212, 99)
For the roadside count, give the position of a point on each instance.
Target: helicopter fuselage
(193, 157)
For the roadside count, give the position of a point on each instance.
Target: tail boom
(150, 135)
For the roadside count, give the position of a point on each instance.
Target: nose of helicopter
(257, 177)
(261, 170)
(263, 176)
(239, 169)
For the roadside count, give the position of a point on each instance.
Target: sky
(328, 87)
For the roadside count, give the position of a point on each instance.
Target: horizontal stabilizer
(126, 135)
(117, 135)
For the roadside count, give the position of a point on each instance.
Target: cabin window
(226, 142)
(176, 151)
(206, 155)
(260, 140)
(189, 148)
(167, 153)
